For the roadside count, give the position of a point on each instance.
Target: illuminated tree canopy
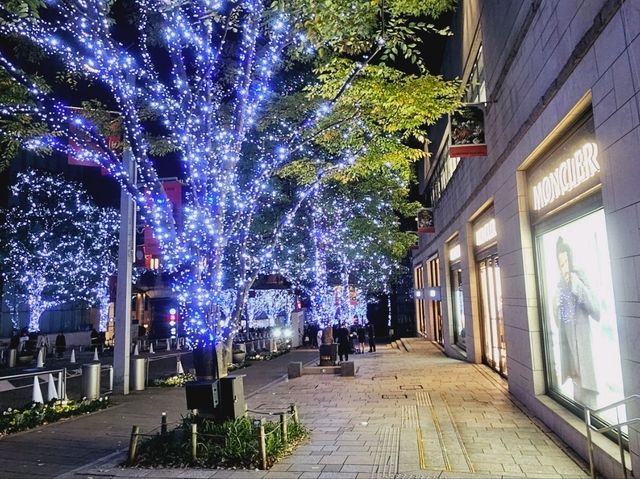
(58, 247)
(259, 102)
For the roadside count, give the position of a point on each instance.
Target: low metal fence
(285, 417)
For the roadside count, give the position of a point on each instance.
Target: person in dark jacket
(14, 341)
(95, 339)
(371, 332)
(343, 343)
(61, 344)
(362, 337)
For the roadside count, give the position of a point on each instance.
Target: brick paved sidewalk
(404, 416)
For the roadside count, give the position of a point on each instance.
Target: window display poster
(458, 308)
(582, 347)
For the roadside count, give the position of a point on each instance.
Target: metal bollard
(91, 380)
(12, 359)
(138, 373)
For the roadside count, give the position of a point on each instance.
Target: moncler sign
(568, 175)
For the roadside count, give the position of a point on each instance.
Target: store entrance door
(494, 348)
(435, 307)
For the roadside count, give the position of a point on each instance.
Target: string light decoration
(201, 73)
(58, 246)
(350, 239)
(271, 303)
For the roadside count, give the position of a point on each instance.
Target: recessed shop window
(494, 347)
(581, 342)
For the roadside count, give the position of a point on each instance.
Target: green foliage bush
(229, 444)
(18, 419)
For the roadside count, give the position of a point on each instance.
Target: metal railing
(617, 427)
(61, 373)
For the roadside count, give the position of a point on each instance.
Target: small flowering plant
(176, 381)
(35, 414)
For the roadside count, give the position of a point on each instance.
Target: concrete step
(406, 344)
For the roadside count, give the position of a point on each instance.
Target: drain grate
(411, 387)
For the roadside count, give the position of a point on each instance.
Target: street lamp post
(122, 343)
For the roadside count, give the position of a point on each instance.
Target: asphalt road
(61, 447)
(17, 393)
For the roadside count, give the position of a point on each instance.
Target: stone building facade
(534, 265)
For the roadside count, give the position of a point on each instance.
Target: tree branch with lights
(58, 247)
(203, 75)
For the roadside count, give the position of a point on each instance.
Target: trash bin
(12, 358)
(91, 380)
(138, 373)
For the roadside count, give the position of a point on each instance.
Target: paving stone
(359, 434)
(333, 459)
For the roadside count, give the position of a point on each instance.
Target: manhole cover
(411, 387)
(394, 396)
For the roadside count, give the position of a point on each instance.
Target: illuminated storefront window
(582, 345)
(435, 305)
(494, 348)
(457, 297)
(418, 281)
(581, 341)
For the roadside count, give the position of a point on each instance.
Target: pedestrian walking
(371, 332)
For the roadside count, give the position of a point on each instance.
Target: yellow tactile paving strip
(417, 414)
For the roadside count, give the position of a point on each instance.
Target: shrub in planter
(230, 444)
(19, 419)
(175, 381)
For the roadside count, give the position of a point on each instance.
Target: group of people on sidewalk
(349, 339)
(353, 340)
